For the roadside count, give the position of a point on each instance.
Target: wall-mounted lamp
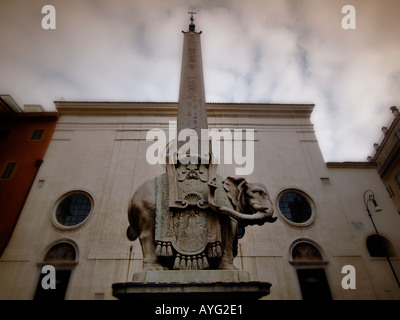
(369, 196)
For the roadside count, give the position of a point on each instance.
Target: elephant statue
(202, 233)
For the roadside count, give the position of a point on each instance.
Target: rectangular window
(386, 152)
(390, 191)
(314, 284)
(397, 179)
(8, 170)
(396, 135)
(37, 134)
(325, 181)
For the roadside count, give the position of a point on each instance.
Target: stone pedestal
(191, 285)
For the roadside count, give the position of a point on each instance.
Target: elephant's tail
(131, 233)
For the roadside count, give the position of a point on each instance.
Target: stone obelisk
(192, 106)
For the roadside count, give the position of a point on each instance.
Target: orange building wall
(18, 147)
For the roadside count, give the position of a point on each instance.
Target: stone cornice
(351, 165)
(169, 109)
(29, 117)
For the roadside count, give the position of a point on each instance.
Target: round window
(73, 209)
(295, 207)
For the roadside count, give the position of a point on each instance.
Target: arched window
(309, 262)
(61, 252)
(305, 251)
(379, 246)
(62, 257)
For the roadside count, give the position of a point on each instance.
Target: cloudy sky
(260, 51)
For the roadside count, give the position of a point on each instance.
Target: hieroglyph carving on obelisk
(192, 105)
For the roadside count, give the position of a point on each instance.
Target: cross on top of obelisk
(191, 15)
(192, 25)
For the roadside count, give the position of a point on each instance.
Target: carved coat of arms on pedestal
(185, 227)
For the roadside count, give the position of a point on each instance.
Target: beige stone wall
(100, 149)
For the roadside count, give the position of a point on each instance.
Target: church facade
(96, 160)
(323, 244)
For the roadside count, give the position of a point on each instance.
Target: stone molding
(170, 109)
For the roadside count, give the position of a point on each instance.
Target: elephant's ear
(234, 188)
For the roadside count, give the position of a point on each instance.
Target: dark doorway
(314, 284)
(62, 279)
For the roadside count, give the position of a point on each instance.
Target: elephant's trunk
(260, 217)
(257, 207)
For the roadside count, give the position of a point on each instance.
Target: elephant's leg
(229, 238)
(150, 261)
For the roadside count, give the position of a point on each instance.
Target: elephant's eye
(257, 192)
